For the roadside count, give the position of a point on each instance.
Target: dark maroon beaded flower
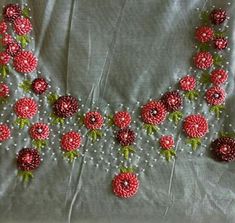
(172, 101)
(13, 48)
(224, 148)
(220, 43)
(39, 85)
(126, 137)
(218, 16)
(11, 12)
(65, 106)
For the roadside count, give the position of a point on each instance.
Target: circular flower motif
(122, 119)
(25, 108)
(215, 95)
(7, 39)
(3, 27)
(4, 58)
(218, 16)
(220, 43)
(125, 185)
(22, 26)
(93, 120)
(25, 62)
(13, 49)
(4, 90)
(204, 34)
(203, 60)
(195, 126)
(28, 159)
(224, 149)
(187, 83)
(11, 12)
(39, 85)
(154, 112)
(5, 132)
(65, 106)
(126, 137)
(39, 131)
(172, 101)
(219, 76)
(167, 142)
(70, 141)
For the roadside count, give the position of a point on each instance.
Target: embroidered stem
(175, 117)
(150, 129)
(25, 175)
(194, 142)
(4, 71)
(22, 122)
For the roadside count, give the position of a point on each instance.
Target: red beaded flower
(172, 101)
(5, 132)
(224, 149)
(187, 83)
(13, 49)
(6, 39)
(125, 185)
(65, 106)
(11, 12)
(215, 95)
(218, 16)
(22, 26)
(4, 90)
(70, 141)
(203, 60)
(3, 27)
(122, 119)
(93, 120)
(39, 85)
(4, 58)
(25, 108)
(39, 131)
(167, 142)
(25, 62)
(219, 76)
(220, 43)
(126, 137)
(195, 126)
(204, 34)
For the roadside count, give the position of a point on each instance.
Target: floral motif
(218, 16)
(195, 127)
(11, 12)
(219, 76)
(25, 62)
(3, 27)
(25, 108)
(5, 132)
(125, 185)
(167, 144)
(70, 142)
(28, 159)
(22, 26)
(224, 148)
(4, 58)
(39, 85)
(13, 49)
(4, 92)
(220, 43)
(204, 34)
(122, 119)
(153, 113)
(203, 60)
(6, 39)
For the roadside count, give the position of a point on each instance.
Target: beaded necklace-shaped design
(95, 124)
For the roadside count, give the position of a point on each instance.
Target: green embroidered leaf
(22, 122)
(220, 34)
(168, 154)
(218, 60)
(205, 78)
(217, 110)
(71, 155)
(56, 120)
(25, 12)
(227, 134)
(175, 117)
(150, 129)
(26, 86)
(194, 142)
(95, 134)
(204, 47)
(124, 169)
(24, 40)
(110, 120)
(52, 98)
(4, 71)
(126, 150)
(192, 95)
(80, 119)
(39, 144)
(204, 16)
(25, 175)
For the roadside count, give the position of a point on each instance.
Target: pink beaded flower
(219, 76)
(25, 108)
(218, 16)
(125, 185)
(4, 92)
(39, 132)
(3, 27)
(28, 160)
(203, 60)
(25, 62)
(94, 121)
(13, 49)
(22, 26)
(167, 144)
(195, 127)
(122, 119)
(153, 113)
(220, 43)
(5, 132)
(215, 96)
(39, 85)
(204, 34)
(6, 39)
(70, 142)
(11, 12)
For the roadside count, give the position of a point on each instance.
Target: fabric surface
(109, 53)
